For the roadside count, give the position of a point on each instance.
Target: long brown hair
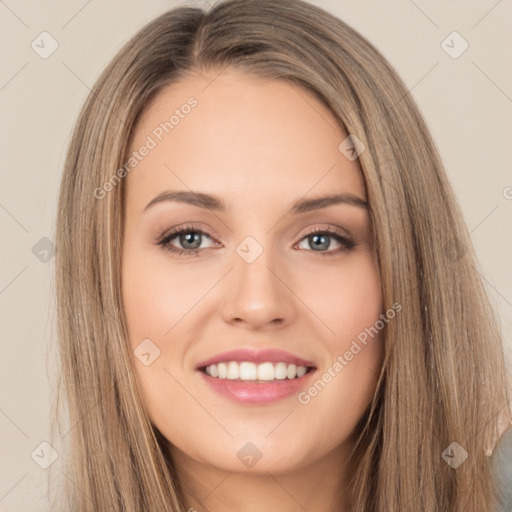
(444, 378)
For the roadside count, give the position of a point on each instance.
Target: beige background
(467, 103)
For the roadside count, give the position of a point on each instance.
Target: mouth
(256, 378)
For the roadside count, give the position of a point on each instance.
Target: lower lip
(257, 393)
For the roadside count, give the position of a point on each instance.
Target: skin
(260, 145)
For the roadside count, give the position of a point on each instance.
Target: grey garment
(502, 466)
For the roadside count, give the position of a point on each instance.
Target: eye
(190, 240)
(319, 241)
(188, 237)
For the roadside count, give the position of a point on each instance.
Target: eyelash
(165, 239)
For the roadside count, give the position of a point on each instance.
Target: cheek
(347, 299)
(154, 301)
(156, 295)
(350, 306)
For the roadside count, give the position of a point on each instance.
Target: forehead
(229, 132)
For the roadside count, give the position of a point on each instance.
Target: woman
(267, 295)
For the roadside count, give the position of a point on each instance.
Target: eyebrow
(212, 202)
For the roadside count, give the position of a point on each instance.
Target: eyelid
(177, 230)
(322, 227)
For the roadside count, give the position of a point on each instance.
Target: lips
(266, 389)
(256, 356)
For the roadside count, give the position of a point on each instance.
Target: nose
(257, 294)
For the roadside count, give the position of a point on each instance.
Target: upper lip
(256, 356)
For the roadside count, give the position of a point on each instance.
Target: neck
(320, 486)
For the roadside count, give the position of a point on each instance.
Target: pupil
(192, 238)
(320, 241)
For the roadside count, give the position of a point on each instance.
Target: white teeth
(291, 371)
(232, 370)
(266, 371)
(301, 371)
(214, 370)
(280, 371)
(248, 371)
(222, 370)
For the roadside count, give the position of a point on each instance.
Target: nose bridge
(256, 296)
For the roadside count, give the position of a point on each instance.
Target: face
(230, 297)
